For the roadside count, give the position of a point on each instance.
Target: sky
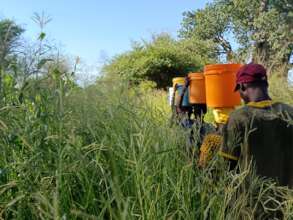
(97, 29)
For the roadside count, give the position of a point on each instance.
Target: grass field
(108, 152)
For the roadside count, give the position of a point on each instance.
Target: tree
(159, 60)
(210, 24)
(262, 28)
(266, 27)
(9, 37)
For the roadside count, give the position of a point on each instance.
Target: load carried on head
(189, 96)
(215, 89)
(220, 84)
(197, 91)
(190, 106)
(178, 86)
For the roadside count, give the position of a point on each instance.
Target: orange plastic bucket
(197, 91)
(220, 83)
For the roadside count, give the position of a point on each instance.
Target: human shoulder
(284, 110)
(282, 107)
(240, 115)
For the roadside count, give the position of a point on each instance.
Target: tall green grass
(108, 152)
(281, 90)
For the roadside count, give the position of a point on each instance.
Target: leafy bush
(159, 60)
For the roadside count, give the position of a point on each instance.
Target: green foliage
(262, 29)
(107, 152)
(266, 26)
(209, 24)
(147, 86)
(159, 60)
(280, 90)
(42, 36)
(9, 36)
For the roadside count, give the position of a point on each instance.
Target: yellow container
(197, 90)
(220, 83)
(178, 84)
(178, 81)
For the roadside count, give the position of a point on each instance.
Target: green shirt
(265, 135)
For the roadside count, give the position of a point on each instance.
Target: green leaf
(42, 36)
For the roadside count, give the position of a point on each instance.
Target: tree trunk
(261, 48)
(227, 48)
(262, 53)
(285, 65)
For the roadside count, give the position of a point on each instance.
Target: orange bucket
(220, 83)
(197, 91)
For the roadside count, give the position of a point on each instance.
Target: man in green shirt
(261, 131)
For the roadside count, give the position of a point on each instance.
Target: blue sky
(93, 28)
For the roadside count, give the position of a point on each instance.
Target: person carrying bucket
(180, 97)
(195, 110)
(220, 82)
(183, 108)
(261, 131)
(194, 115)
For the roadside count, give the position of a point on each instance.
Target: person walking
(261, 131)
(192, 118)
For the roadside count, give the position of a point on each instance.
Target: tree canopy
(262, 28)
(9, 36)
(160, 60)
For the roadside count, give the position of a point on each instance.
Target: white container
(171, 95)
